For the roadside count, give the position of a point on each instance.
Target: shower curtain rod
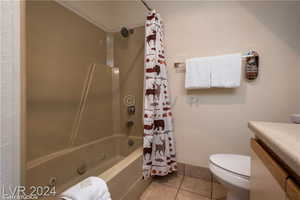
(146, 5)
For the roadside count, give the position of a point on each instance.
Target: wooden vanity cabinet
(269, 180)
(263, 185)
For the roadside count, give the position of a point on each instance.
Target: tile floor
(178, 187)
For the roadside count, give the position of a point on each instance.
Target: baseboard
(194, 171)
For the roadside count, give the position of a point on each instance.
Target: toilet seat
(232, 163)
(227, 178)
(231, 169)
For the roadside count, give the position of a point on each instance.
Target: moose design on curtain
(159, 146)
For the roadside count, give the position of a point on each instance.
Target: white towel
(226, 71)
(92, 188)
(197, 73)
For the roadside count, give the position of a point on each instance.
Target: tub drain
(130, 142)
(82, 169)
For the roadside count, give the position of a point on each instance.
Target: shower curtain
(159, 146)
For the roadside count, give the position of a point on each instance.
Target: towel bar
(180, 65)
(251, 65)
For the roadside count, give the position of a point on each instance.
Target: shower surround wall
(77, 76)
(61, 47)
(131, 77)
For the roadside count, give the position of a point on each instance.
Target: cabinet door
(263, 185)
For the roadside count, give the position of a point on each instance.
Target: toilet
(233, 172)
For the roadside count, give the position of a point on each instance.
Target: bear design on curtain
(159, 147)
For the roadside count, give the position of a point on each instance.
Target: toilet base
(237, 187)
(237, 195)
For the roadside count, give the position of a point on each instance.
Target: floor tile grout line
(209, 196)
(164, 184)
(196, 193)
(179, 188)
(202, 195)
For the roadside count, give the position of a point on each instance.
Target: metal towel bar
(181, 65)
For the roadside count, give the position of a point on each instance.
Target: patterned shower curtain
(159, 146)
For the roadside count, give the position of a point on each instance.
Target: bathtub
(125, 178)
(110, 158)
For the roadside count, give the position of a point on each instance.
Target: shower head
(125, 32)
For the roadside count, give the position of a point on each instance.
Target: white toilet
(233, 172)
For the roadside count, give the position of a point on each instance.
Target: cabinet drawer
(275, 169)
(292, 190)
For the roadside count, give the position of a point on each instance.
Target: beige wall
(61, 46)
(217, 120)
(129, 58)
(11, 118)
(298, 99)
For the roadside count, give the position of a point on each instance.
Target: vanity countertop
(282, 138)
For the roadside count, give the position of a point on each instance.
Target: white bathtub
(110, 158)
(125, 178)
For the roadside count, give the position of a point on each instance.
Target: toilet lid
(237, 164)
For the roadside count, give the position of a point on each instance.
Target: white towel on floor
(226, 71)
(197, 73)
(92, 188)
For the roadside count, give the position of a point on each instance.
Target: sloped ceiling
(109, 15)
